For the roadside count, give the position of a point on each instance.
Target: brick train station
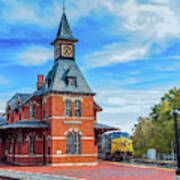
(55, 125)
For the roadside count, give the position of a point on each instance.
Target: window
(73, 143)
(32, 144)
(12, 117)
(77, 108)
(49, 146)
(23, 137)
(19, 115)
(8, 116)
(68, 109)
(57, 51)
(71, 81)
(19, 145)
(32, 111)
(44, 110)
(49, 83)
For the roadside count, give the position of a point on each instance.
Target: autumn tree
(157, 130)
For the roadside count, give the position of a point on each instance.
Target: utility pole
(172, 151)
(175, 112)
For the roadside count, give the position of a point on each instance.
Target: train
(116, 146)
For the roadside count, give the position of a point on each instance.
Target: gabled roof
(64, 31)
(97, 107)
(56, 79)
(18, 97)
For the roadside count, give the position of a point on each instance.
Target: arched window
(32, 144)
(73, 143)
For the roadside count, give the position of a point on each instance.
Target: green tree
(157, 130)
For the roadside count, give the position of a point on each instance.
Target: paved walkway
(103, 171)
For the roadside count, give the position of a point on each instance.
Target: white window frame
(73, 143)
(77, 108)
(32, 144)
(32, 110)
(68, 108)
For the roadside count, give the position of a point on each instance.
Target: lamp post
(175, 112)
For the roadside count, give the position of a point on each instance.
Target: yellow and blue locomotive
(115, 145)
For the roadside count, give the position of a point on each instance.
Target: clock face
(67, 51)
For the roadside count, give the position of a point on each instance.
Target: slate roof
(64, 31)
(57, 78)
(103, 126)
(26, 124)
(21, 97)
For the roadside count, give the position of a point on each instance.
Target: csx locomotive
(115, 145)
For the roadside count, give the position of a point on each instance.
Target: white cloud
(146, 24)
(31, 13)
(48, 15)
(33, 56)
(172, 67)
(160, 1)
(126, 100)
(175, 57)
(2, 105)
(135, 72)
(116, 53)
(122, 107)
(148, 21)
(154, 20)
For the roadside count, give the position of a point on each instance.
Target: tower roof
(56, 79)
(64, 31)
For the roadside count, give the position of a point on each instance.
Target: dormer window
(17, 102)
(8, 108)
(71, 81)
(49, 83)
(12, 117)
(32, 111)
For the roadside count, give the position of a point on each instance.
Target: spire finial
(64, 8)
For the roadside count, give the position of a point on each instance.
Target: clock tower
(64, 44)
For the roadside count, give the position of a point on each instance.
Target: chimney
(40, 81)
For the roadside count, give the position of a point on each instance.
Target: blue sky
(128, 50)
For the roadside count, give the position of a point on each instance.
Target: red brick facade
(18, 152)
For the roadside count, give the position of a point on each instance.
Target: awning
(103, 126)
(26, 124)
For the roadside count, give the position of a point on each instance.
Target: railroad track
(153, 164)
(8, 178)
